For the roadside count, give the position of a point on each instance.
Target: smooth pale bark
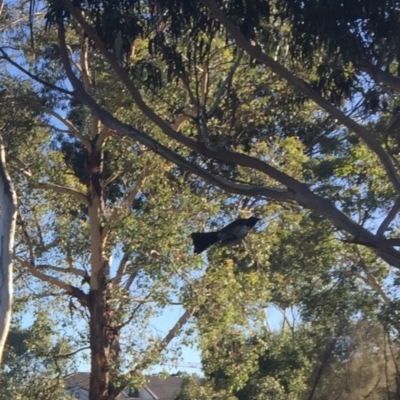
(8, 204)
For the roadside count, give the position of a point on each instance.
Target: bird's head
(252, 221)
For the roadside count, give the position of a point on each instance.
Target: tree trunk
(101, 340)
(8, 204)
(102, 335)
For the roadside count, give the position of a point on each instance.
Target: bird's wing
(238, 223)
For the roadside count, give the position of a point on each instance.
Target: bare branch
(70, 289)
(85, 70)
(34, 77)
(175, 329)
(305, 88)
(132, 276)
(126, 201)
(389, 218)
(70, 270)
(224, 84)
(71, 127)
(64, 190)
(73, 62)
(73, 353)
(161, 345)
(121, 268)
(103, 134)
(369, 278)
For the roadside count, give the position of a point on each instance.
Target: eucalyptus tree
(273, 34)
(85, 198)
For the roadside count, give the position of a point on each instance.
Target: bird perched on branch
(228, 236)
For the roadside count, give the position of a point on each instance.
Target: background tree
(35, 363)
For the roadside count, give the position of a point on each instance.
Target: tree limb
(75, 271)
(369, 278)
(306, 89)
(125, 202)
(373, 284)
(382, 76)
(70, 289)
(34, 77)
(161, 345)
(64, 190)
(132, 277)
(121, 268)
(27, 238)
(71, 127)
(225, 84)
(389, 218)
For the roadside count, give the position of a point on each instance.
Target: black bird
(228, 236)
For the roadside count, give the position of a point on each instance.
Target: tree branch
(219, 154)
(389, 218)
(161, 346)
(70, 289)
(75, 271)
(373, 284)
(85, 71)
(121, 268)
(225, 84)
(126, 201)
(305, 88)
(27, 238)
(365, 65)
(369, 278)
(71, 127)
(34, 77)
(132, 277)
(64, 190)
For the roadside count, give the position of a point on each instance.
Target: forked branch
(70, 289)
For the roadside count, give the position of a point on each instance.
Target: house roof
(80, 379)
(158, 387)
(163, 388)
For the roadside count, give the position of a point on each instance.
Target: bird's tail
(202, 241)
